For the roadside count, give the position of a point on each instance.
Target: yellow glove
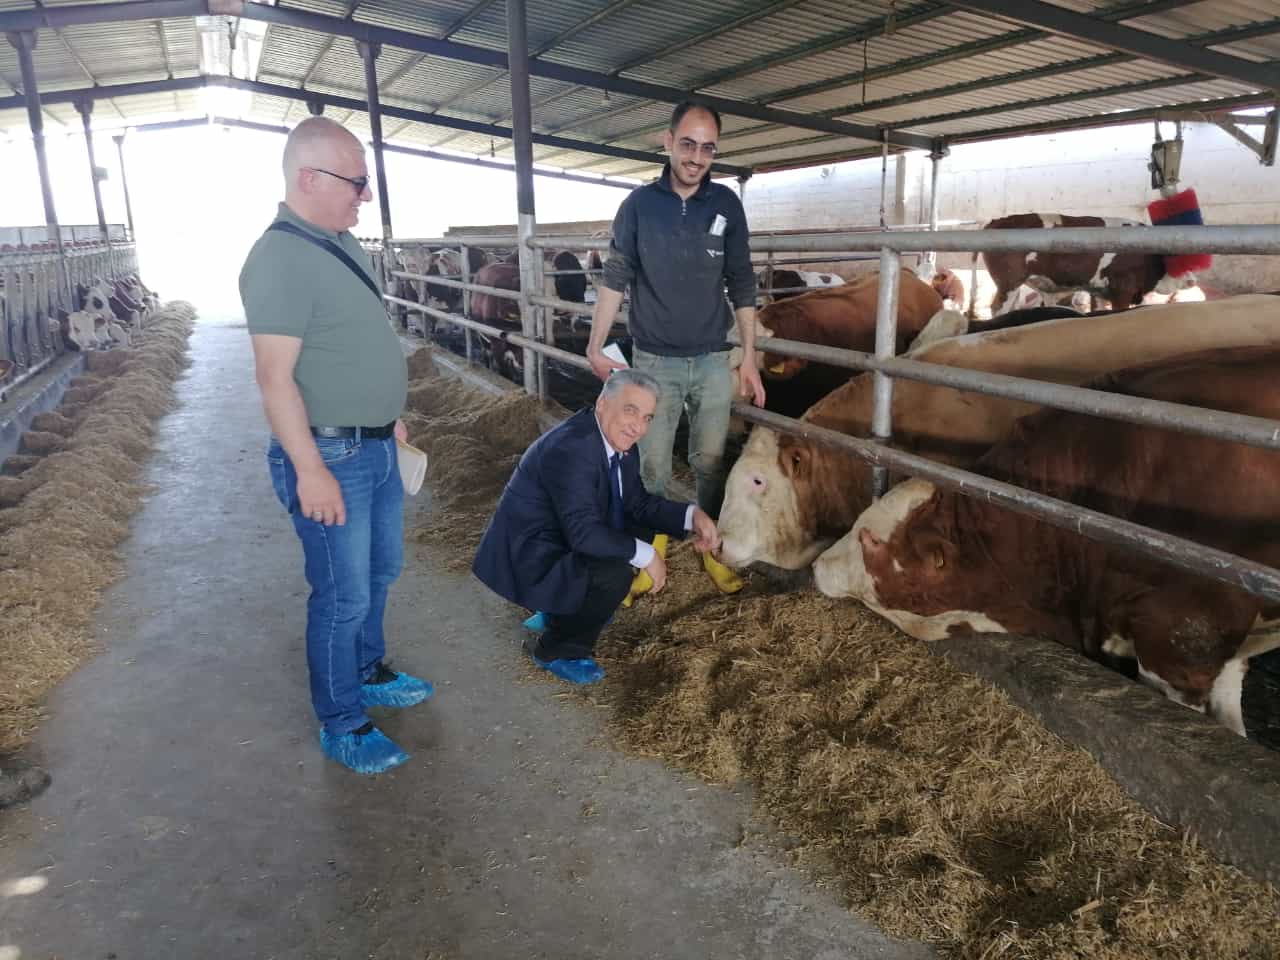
(643, 583)
(726, 580)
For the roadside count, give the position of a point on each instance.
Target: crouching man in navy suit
(575, 519)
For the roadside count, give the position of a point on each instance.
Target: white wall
(1100, 172)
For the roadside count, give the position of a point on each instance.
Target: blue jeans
(349, 568)
(704, 386)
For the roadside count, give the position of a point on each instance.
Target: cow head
(901, 560)
(774, 495)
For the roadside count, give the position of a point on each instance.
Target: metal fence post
(886, 338)
(465, 275)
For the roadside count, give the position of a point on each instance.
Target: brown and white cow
(488, 308)
(787, 498)
(1123, 279)
(936, 562)
(793, 283)
(843, 316)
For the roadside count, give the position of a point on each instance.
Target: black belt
(367, 433)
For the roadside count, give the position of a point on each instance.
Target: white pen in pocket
(718, 225)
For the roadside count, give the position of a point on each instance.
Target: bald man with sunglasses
(333, 379)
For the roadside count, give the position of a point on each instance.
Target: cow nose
(757, 482)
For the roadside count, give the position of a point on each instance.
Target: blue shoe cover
(575, 671)
(403, 691)
(371, 753)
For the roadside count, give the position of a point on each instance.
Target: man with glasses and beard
(333, 379)
(681, 243)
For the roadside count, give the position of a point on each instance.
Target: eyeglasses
(687, 145)
(360, 183)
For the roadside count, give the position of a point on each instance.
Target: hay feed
(936, 807)
(942, 811)
(106, 364)
(17, 464)
(473, 442)
(53, 422)
(422, 364)
(63, 517)
(38, 443)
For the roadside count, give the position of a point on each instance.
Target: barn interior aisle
(192, 815)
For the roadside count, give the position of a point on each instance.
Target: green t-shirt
(351, 371)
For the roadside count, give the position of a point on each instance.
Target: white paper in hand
(614, 353)
(413, 466)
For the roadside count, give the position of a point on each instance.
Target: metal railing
(890, 246)
(36, 283)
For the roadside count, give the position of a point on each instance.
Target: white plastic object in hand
(413, 466)
(614, 353)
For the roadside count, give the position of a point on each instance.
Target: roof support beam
(615, 7)
(555, 71)
(856, 34)
(1140, 43)
(1229, 35)
(370, 33)
(668, 50)
(319, 57)
(1141, 86)
(18, 101)
(1264, 149)
(353, 105)
(938, 58)
(457, 123)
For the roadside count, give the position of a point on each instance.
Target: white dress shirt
(644, 551)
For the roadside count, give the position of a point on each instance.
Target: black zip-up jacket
(678, 270)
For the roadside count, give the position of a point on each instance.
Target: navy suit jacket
(554, 513)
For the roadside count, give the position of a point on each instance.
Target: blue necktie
(617, 518)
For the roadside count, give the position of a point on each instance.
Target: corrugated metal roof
(929, 69)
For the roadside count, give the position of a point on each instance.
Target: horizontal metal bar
(578, 243)
(1140, 239)
(1219, 565)
(537, 346)
(567, 306)
(508, 168)
(439, 281)
(1216, 239)
(1255, 431)
(454, 242)
(834, 258)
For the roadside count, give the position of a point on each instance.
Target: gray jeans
(703, 386)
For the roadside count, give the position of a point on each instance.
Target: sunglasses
(360, 183)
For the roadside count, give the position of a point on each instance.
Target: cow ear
(872, 546)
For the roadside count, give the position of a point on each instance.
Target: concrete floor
(192, 815)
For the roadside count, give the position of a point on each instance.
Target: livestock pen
(1232, 823)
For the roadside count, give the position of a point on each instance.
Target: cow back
(958, 427)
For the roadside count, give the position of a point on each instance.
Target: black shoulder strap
(285, 227)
